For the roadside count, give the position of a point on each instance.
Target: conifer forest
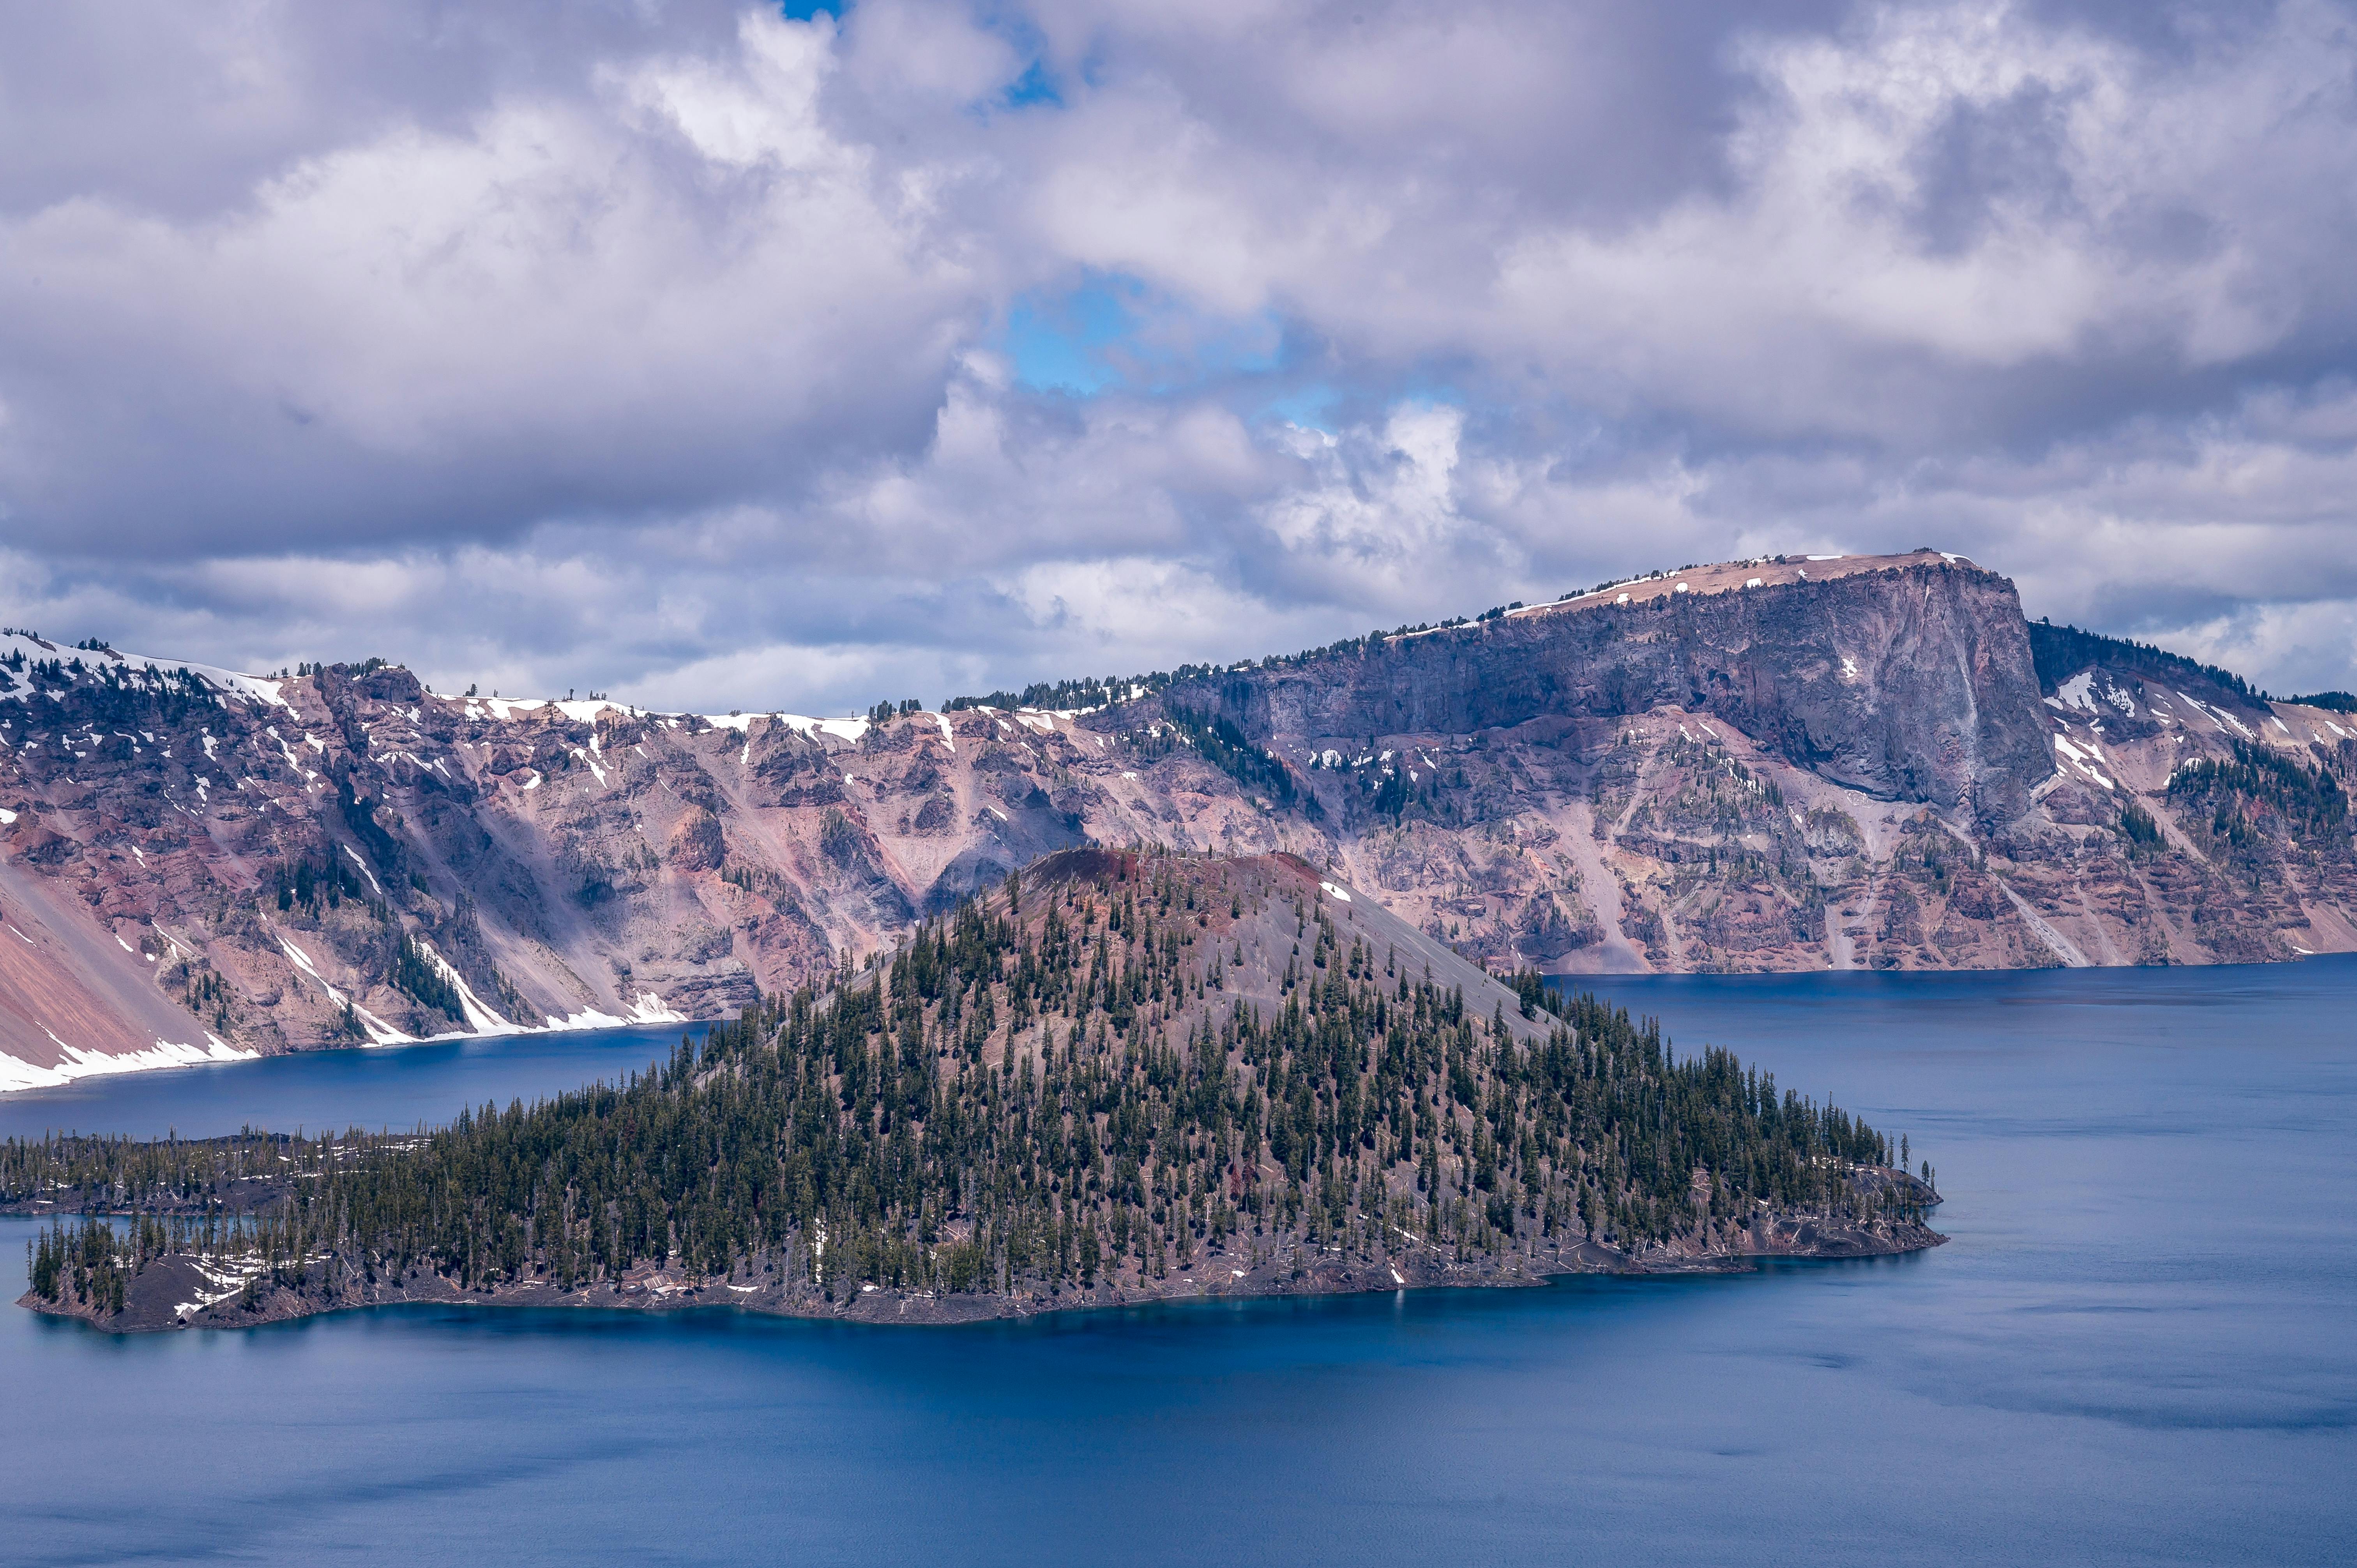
(1086, 1085)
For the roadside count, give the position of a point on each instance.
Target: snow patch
(646, 1007)
(842, 729)
(17, 1073)
(2086, 759)
(379, 1033)
(364, 869)
(1341, 892)
(582, 711)
(2219, 718)
(253, 688)
(480, 1020)
(225, 1285)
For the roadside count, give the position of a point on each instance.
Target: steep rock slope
(1777, 764)
(197, 865)
(1904, 679)
(1796, 764)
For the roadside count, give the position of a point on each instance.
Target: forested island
(1122, 1075)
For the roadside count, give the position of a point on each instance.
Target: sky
(720, 357)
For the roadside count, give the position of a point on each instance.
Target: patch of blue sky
(1062, 343)
(1035, 86)
(803, 10)
(1115, 333)
(1308, 407)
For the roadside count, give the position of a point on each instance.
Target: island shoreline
(149, 1307)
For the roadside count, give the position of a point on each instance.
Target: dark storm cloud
(716, 356)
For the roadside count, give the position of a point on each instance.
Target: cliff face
(1911, 681)
(1764, 764)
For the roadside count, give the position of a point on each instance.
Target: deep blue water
(394, 1086)
(2138, 1348)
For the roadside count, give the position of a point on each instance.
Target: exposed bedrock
(1909, 684)
(1769, 765)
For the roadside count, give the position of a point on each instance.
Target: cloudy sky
(728, 357)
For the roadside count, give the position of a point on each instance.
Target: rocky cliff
(1912, 683)
(1776, 764)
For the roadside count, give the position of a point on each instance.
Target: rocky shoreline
(179, 1291)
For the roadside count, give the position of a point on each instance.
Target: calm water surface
(393, 1087)
(2138, 1348)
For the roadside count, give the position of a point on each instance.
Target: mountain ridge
(1777, 764)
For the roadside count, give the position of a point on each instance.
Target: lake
(2138, 1348)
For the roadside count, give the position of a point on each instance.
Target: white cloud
(667, 286)
(1790, 300)
(658, 351)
